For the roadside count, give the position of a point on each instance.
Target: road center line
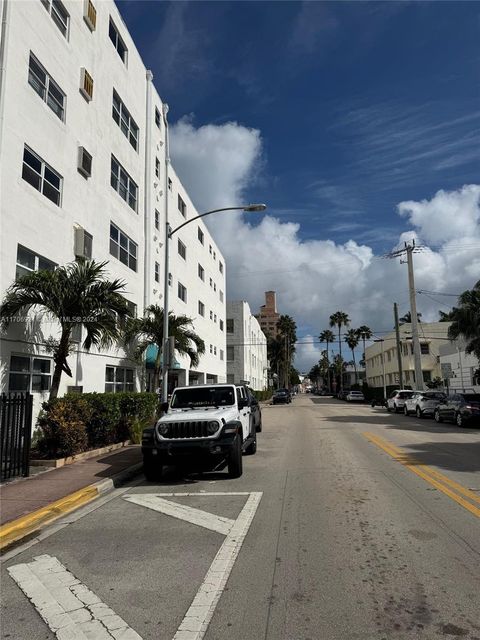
(433, 477)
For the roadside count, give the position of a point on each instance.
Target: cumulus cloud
(314, 278)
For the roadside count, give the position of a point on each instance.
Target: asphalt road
(368, 527)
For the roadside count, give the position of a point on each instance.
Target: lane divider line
(433, 477)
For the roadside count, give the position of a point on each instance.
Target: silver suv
(396, 399)
(423, 403)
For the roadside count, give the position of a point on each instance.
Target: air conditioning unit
(86, 84)
(83, 243)
(90, 15)
(84, 162)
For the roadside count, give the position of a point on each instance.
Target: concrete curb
(16, 530)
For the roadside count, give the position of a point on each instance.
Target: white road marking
(69, 608)
(183, 512)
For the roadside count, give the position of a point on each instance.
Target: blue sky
(340, 116)
(360, 105)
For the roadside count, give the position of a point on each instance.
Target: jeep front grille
(188, 429)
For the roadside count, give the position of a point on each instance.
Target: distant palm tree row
(281, 350)
(80, 294)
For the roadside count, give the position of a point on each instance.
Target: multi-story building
(460, 370)
(84, 172)
(432, 335)
(246, 347)
(269, 316)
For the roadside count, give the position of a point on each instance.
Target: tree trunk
(354, 366)
(60, 359)
(340, 350)
(329, 381)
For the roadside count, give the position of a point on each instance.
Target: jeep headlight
(212, 427)
(163, 429)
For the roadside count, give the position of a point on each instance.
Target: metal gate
(15, 434)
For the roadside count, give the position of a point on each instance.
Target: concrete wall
(249, 346)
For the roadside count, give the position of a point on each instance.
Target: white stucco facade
(246, 347)
(34, 228)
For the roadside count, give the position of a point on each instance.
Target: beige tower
(268, 316)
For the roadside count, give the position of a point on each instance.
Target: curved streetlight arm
(202, 215)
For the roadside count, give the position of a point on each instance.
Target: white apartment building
(84, 172)
(462, 368)
(432, 335)
(246, 347)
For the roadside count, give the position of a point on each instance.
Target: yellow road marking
(447, 486)
(21, 527)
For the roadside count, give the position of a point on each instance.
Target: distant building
(459, 368)
(269, 316)
(432, 336)
(350, 377)
(246, 347)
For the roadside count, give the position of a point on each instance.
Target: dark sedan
(282, 396)
(460, 408)
(255, 410)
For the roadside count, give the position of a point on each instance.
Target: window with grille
(117, 41)
(182, 207)
(201, 308)
(86, 84)
(41, 176)
(46, 87)
(123, 248)
(59, 15)
(90, 15)
(157, 272)
(29, 261)
(182, 292)
(122, 117)
(29, 373)
(424, 348)
(182, 249)
(123, 184)
(200, 235)
(201, 272)
(119, 379)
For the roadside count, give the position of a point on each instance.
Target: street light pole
(168, 235)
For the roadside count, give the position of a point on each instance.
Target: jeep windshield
(202, 397)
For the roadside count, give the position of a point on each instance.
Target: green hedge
(263, 395)
(78, 422)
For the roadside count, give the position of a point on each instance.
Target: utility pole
(410, 249)
(399, 347)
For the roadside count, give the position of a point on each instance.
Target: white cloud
(314, 278)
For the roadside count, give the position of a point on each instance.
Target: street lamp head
(255, 207)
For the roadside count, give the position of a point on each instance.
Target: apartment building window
(214, 255)
(29, 373)
(182, 292)
(123, 184)
(122, 117)
(132, 308)
(215, 317)
(170, 280)
(221, 354)
(182, 207)
(123, 248)
(230, 353)
(211, 315)
(182, 249)
(119, 379)
(230, 325)
(201, 308)
(157, 167)
(90, 15)
(157, 220)
(210, 248)
(84, 163)
(211, 282)
(169, 184)
(28, 261)
(424, 348)
(214, 286)
(214, 351)
(117, 41)
(211, 348)
(158, 119)
(59, 15)
(41, 176)
(221, 325)
(221, 296)
(200, 235)
(86, 84)
(220, 267)
(46, 87)
(157, 272)
(201, 272)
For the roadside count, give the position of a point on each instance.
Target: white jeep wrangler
(204, 427)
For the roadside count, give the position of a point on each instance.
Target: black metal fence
(15, 434)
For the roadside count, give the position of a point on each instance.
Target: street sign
(447, 372)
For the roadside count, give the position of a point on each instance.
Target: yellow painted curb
(21, 527)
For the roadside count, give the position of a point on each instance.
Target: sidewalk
(27, 499)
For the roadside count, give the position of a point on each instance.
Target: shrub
(266, 394)
(103, 425)
(139, 410)
(62, 427)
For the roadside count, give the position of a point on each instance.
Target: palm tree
(339, 319)
(365, 334)
(466, 320)
(327, 337)
(149, 331)
(275, 353)
(76, 294)
(287, 329)
(407, 318)
(352, 338)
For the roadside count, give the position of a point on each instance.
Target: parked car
(282, 396)
(423, 403)
(355, 396)
(341, 394)
(255, 410)
(461, 408)
(396, 399)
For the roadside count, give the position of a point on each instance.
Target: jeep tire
(235, 462)
(252, 447)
